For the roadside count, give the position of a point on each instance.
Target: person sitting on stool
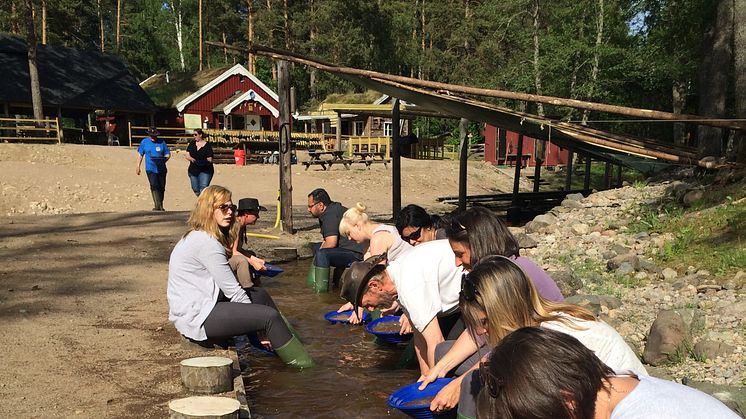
(244, 262)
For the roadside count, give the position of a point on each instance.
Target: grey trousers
(244, 272)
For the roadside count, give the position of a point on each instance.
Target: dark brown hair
(484, 233)
(541, 373)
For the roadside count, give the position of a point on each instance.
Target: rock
(580, 229)
(595, 303)
(625, 268)
(574, 197)
(619, 249)
(35, 288)
(710, 349)
(738, 282)
(617, 261)
(571, 203)
(525, 241)
(669, 334)
(547, 219)
(567, 282)
(691, 197)
(648, 266)
(737, 309)
(669, 274)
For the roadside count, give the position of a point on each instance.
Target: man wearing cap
(336, 249)
(156, 154)
(424, 281)
(244, 261)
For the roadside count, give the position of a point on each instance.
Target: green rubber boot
(161, 197)
(291, 328)
(321, 280)
(294, 354)
(155, 199)
(311, 278)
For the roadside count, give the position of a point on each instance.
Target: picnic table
(513, 158)
(370, 157)
(327, 158)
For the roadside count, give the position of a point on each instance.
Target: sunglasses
(413, 236)
(489, 381)
(225, 207)
(469, 290)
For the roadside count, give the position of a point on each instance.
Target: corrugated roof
(70, 78)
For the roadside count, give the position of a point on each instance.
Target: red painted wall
(493, 153)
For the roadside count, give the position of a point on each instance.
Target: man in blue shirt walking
(156, 154)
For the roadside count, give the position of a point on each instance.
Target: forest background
(682, 56)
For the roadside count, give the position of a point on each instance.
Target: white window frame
(388, 128)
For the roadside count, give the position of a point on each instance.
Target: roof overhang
(250, 95)
(237, 69)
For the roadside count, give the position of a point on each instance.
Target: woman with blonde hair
(205, 300)
(376, 239)
(497, 297)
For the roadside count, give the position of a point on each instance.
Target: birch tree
(175, 7)
(33, 69)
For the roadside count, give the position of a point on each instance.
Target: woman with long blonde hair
(376, 239)
(497, 297)
(205, 300)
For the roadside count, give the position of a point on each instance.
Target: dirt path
(84, 326)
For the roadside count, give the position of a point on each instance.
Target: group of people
(478, 310)
(155, 152)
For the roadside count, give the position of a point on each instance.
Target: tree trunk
(100, 24)
(596, 57)
(225, 52)
(44, 22)
(250, 36)
(422, 56)
(713, 78)
(312, 37)
(119, 21)
(199, 5)
(286, 24)
(739, 47)
(678, 96)
(179, 33)
(32, 64)
(540, 149)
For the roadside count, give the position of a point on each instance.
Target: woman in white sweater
(497, 298)
(204, 297)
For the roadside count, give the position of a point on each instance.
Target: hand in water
(356, 318)
(406, 326)
(345, 307)
(257, 264)
(432, 375)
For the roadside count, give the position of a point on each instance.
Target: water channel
(353, 378)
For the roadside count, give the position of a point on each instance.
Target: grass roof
(179, 86)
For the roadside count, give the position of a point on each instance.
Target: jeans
(157, 181)
(200, 181)
(342, 258)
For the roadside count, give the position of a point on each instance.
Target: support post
(338, 139)
(587, 178)
(517, 175)
(286, 183)
(619, 176)
(463, 127)
(395, 162)
(537, 174)
(607, 175)
(568, 167)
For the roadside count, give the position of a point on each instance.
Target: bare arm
(329, 242)
(463, 348)
(425, 343)
(139, 163)
(379, 243)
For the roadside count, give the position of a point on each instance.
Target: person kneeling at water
(540, 373)
(244, 261)
(205, 300)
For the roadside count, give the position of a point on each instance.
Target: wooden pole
(286, 123)
(607, 175)
(587, 178)
(568, 167)
(619, 176)
(395, 162)
(537, 174)
(454, 88)
(43, 22)
(517, 175)
(119, 19)
(463, 127)
(338, 138)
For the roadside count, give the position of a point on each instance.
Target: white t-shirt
(427, 281)
(603, 340)
(661, 399)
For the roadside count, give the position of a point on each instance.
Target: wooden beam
(286, 182)
(568, 167)
(537, 174)
(587, 177)
(463, 127)
(338, 138)
(454, 88)
(619, 176)
(395, 162)
(607, 175)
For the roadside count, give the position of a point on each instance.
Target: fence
(30, 130)
(369, 144)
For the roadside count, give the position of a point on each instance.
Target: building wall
(498, 144)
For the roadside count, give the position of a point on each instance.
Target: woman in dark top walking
(199, 155)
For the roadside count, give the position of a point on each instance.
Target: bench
(330, 163)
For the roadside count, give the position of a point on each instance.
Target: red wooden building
(501, 147)
(230, 99)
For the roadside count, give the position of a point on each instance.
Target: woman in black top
(199, 155)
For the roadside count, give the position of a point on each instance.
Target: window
(387, 131)
(359, 128)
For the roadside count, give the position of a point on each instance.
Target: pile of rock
(687, 324)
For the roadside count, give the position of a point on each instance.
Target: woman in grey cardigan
(204, 297)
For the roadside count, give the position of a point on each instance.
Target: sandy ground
(83, 312)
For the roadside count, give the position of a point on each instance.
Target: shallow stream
(353, 378)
